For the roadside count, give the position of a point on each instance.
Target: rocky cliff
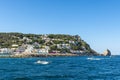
(107, 53)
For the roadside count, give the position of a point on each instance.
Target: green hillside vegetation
(51, 40)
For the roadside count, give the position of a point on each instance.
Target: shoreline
(38, 55)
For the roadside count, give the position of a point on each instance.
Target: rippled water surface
(60, 68)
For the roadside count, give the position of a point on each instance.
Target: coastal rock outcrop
(106, 53)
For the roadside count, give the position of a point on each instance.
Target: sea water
(60, 68)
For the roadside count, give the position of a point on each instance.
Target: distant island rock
(107, 53)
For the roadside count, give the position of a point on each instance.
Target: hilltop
(48, 43)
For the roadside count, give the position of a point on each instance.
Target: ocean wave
(94, 58)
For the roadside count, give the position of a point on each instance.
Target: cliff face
(106, 53)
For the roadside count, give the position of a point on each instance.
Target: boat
(41, 62)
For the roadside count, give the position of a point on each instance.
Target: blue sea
(60, 68)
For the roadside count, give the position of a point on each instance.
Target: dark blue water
(61, 68)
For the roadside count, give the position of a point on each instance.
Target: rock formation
(106, 53)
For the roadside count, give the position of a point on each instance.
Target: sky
(96, 21)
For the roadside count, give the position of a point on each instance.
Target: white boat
(41, 62)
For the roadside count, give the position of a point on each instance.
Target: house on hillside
(36, 45)
(43, 51)
(29, 49)
(26, 39)
(71, 42)
(14, 45)
(66, 46)
(60, 46)
(20, 49)
(77, 51)
(5, 51)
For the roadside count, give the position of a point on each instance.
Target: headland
(43, 45)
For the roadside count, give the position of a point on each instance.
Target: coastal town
(19, 43)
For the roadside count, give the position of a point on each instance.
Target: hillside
(59, 43)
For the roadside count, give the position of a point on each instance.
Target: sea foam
(94, 58)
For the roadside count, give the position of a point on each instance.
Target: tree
(54, 47)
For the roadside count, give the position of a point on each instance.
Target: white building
(43, 51)
(29, 49)
(66, 46)
(77, 51)
(14, 45)
(60, 46)
(6, 50)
